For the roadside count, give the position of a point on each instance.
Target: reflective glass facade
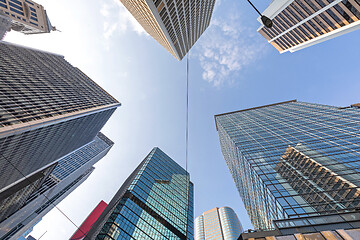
(69, 172)
(155, 202)
(48, 108)
(278, 153)
(218, 223)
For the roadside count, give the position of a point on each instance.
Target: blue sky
(231, 68)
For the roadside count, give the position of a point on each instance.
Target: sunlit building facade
(155, 202)
(293, 159)
(176, 25)
(217, 224)
(48, 108)
(26, 16)
(302, 23)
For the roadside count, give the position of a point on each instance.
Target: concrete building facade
(26, 16)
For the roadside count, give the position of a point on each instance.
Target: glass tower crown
(155, 202)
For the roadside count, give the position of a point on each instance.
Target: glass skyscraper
(293, 159)
(69, 173)
(218, 223)
(48, 109)
(155, 202)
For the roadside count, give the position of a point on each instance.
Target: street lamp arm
(265, 20)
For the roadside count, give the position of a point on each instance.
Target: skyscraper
(48, 108)
(218, 223)
(5, 24)
(26, 16)
(176, 25)
(155, 202)
(71, 170)
(293, 159)
(302, 23)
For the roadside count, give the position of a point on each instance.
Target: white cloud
(117, 19)
(227, 47)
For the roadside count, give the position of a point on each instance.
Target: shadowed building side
(70, 171)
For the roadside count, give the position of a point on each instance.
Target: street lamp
(266, 21)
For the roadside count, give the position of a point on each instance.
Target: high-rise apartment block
(293, 159)
(26, 16)
(218, 223)
(155, 202)
(48, 108)
(70, 171)
(302, 23)
(176, 25)
(5, 25)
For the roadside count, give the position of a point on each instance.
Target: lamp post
(266, 21)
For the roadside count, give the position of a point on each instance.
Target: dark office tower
(298, 24)
(69, 173)
(48, 108)
(176, 25)
(155, 202)
(293, 159)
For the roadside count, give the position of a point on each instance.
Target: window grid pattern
(158, 203)
(32, 150)
(12, 202)
(341, 14)
(175, 24)
(142, 13)
(60, 182)
(72, 162)
(37, 85)
(26, 16)
(218, 223)
(185, 21)
(253, 142)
